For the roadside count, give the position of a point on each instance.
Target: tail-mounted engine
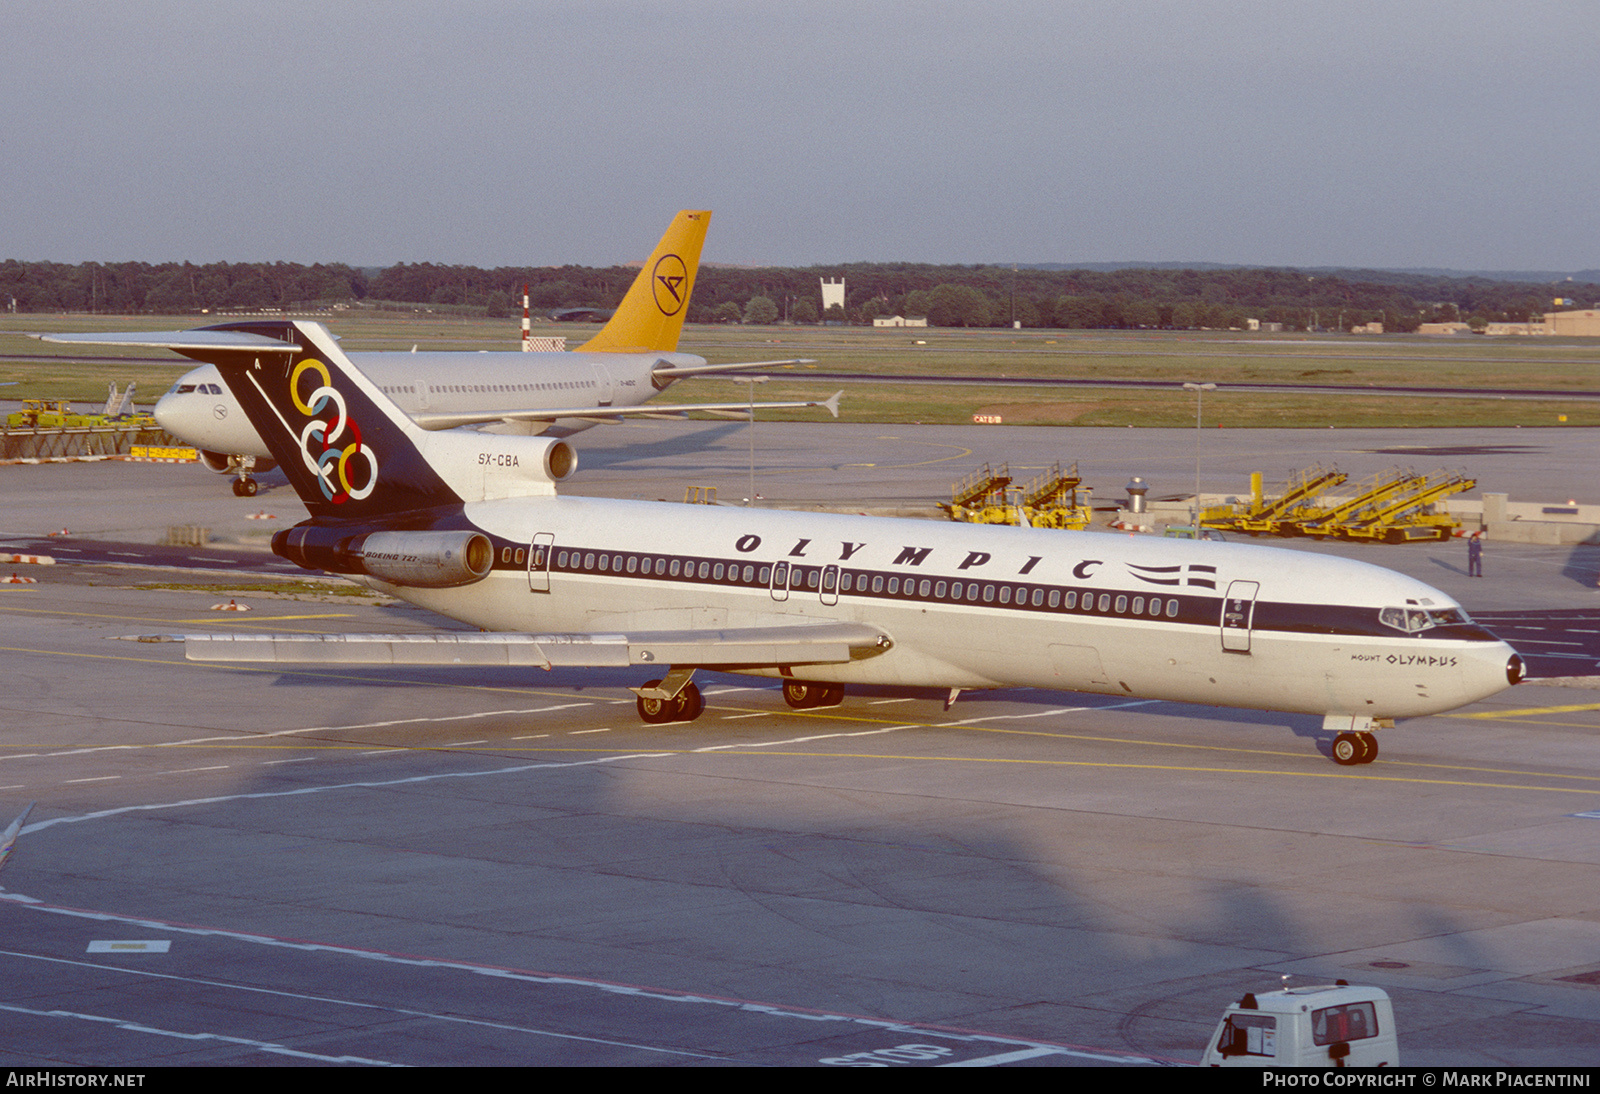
(418, 560)
(484, 466)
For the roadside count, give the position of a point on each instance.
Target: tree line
(966, 296)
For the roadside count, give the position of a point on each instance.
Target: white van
(1329, 1025)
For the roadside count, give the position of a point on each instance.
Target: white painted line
(334, 1001)
(235, 739)
(304, 791)
(155, 945)
(137, 1027)
(1005, 1058)
(799, 740)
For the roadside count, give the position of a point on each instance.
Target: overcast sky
(1382, 133)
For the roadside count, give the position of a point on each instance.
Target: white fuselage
(201, 410)
(1224, 624)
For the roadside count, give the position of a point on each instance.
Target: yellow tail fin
(650, 317)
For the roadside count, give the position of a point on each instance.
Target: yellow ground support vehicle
(44, 414)
(981, 497)
(1274, 516)
(1408, 514)
(1053, 500)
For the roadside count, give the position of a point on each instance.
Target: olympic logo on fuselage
(331, 446)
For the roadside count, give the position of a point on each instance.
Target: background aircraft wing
(613, 413)
(740, 647)
(677, 372)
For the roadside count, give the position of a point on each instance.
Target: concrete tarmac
(240, 865)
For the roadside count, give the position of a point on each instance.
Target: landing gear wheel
(804, 696)
(798, 694)
(654, 711)
(1369, 748)
(688, 705)
(1348, 749)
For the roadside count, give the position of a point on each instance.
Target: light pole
(1199, 401)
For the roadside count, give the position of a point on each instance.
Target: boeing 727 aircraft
(628, 362)
(469, 525)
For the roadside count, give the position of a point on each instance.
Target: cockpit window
(1415, 620)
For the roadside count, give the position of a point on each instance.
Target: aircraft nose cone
(166, 414)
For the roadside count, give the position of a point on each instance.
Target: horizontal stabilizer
(180, 340)
(747, 647)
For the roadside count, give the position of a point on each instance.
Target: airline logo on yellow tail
(668, 279)
(330, 443)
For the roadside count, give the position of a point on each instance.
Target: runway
(247, 866)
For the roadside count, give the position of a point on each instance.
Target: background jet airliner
(629, 361)
(469, 525)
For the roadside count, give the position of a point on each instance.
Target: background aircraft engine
(418, 560)
(224, 464)
(423, 560)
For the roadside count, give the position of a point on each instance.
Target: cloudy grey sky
(1385, 133)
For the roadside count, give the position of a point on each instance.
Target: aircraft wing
(739, 647)
(614, 413)
(677, 372)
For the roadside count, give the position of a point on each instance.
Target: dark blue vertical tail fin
(347, 449)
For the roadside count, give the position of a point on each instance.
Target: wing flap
(746, 647)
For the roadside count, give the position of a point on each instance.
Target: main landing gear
(1354, 748)
(672, 699)
(804, 696)
(686, 706)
